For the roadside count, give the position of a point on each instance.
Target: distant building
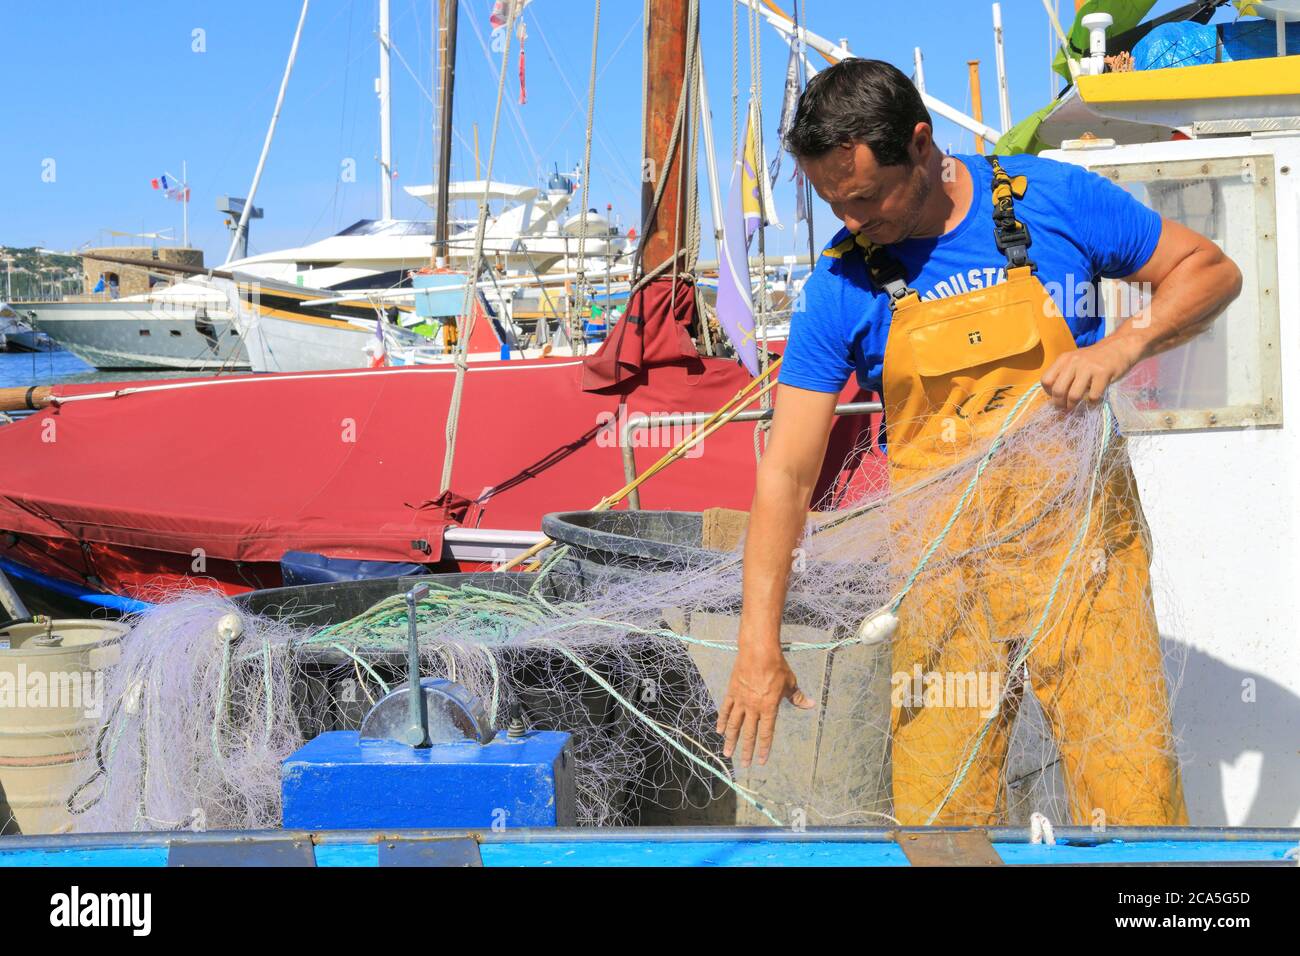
(131, 280)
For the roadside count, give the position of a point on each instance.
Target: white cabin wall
(1225, 517)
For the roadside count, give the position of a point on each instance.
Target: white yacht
(527, 233)
(195, 323)
(183, 325)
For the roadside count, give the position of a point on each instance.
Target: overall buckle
(1014, 243)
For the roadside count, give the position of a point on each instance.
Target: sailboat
(227, 475)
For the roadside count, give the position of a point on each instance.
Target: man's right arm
(787, 475)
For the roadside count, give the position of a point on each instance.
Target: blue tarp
(1194, 44)
(306, 567)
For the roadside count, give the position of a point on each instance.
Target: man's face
(881, 203)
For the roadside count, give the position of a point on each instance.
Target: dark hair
(858, 101)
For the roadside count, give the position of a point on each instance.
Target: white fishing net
(1023, 672)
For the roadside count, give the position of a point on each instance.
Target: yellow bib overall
(953, 370)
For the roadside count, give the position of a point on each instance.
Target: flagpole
(185, 207)
(711, 159)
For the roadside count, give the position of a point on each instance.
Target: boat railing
(640, 420)
(77, 297)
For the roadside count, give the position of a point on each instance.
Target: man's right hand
(760, 680)
(760, 677)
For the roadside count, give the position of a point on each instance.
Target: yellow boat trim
(1273, 76)
(312, 297)
(308, 319)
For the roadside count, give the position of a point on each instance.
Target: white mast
(185, 207)
(1004, 94)
(242, 228)
(385, 120)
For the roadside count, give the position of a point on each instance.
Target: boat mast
(665, 74)
(447, 88)
(241, 230)
(383, 88)
(1004, 93)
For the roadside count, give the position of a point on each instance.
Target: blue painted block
(340, 782)
(439, 295)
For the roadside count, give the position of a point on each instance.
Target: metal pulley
(444, 711)
(451, 714)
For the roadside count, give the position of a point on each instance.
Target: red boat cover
(348, 463)
(653, 331)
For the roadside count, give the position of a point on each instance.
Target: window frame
(1259, 170)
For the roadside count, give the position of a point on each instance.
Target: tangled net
(980, 644)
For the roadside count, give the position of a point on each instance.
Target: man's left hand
(1086, 373)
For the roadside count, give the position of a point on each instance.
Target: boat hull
(660, 846)
(125, 335)
(297, 344)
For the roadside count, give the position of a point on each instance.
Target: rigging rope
(471, 285)
(581, 285)
(761, 428)
(735, 85)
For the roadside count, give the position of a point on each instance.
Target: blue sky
(115, 94)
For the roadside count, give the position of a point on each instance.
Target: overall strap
(883, 267)
(885, 270)
(1010, 234)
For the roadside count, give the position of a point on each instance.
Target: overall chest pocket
(1005, 333)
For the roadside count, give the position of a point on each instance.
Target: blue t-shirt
(1083, 227)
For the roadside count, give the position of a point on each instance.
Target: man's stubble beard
(919, 186)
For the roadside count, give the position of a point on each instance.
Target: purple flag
(735, 294)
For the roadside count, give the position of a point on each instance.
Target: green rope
(365, 665)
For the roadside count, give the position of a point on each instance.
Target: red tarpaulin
(243, 469)
(654, 330)
(126, 487)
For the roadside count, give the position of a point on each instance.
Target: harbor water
(21, 369)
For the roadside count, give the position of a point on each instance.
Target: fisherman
(930, 240)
